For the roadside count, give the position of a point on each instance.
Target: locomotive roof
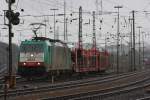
(56, 41)
(47, 40)
(51, 40)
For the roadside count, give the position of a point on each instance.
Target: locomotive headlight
(24, 64)
(31, 55)
(38, 63)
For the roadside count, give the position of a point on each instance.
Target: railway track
(74, 85)
(103, 91)
(71, 81)
(23, 83)
(145, 98)
(62, 84)
(120, 94)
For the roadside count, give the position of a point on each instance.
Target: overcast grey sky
(42, 7)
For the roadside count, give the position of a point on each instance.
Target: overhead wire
(61, 5)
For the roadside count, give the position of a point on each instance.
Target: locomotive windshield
(31, 52)
(31, 48)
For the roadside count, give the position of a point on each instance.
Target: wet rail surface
(144, 98)
(23, 84)
(103, 89)
(59, 85)
(81, 89)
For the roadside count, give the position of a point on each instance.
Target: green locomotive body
(42, 55)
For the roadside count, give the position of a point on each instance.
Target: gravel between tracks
(88, 88)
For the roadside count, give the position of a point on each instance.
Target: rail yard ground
(133, 85)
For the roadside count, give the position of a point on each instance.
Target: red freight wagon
(89, 60)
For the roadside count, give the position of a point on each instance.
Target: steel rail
(62, 86)
(121, 91)
(88, 95)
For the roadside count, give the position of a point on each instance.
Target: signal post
(13, 19)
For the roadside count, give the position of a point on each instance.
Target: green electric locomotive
(41, 56)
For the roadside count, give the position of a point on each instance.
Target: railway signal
(13, 17)
(10, 1)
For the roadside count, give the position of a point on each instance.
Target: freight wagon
(91, 60)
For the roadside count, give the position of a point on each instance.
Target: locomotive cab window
(32, 52)
(31, 48)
